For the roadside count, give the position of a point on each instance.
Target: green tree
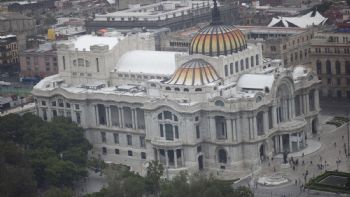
(58, 192)
(56, 151)
(16, 175)
(152, 180)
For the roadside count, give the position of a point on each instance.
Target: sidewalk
(312, 146)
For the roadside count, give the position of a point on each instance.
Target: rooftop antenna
(215, 14)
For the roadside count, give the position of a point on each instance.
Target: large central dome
(216, 40)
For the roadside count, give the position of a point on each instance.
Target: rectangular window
(97, 65)
(176, 132)
(53, 103)
(142, 142)
(60, 103)
(64, 62)
(226, 70)
(236, 67)
(67, 105)
(130, 153)
(242, 65)
(44, 114)
(129, 140)
(231, 68)
(104, 150)
(116, 138)
(161, 130)
(198, 135)
(54, 113)
(143, 155)
(247, 63)
(116, 151)
(43, 103)
(103, 137)
(338, 82)
(77, 114)
(77, 106)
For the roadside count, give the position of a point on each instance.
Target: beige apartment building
(330, 56)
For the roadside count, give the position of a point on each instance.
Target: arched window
(260, 123)
(252, 61)
(222, 155)
(226, 70)
(219, 103)
(328, 67)
(337, 67)
(168, 125)
(221, 128)
(177, 89)
(319, 67)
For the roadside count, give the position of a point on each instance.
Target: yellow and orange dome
(195, 72)
(216, 40)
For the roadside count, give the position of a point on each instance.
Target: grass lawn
(331, 181)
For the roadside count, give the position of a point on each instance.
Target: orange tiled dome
(216, 40)
(194, 72)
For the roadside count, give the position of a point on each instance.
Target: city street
(332, 139)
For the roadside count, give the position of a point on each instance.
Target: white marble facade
(203, 115)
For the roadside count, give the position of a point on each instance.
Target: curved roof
(152, 62)
(255, 81)
(195, 72)
(309, 19)
(216, 40)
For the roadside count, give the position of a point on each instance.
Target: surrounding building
(40, 62)
(292, 45)
(165, 14)
(9, 54)
(330, 56)
(218, 108)
(313, 18)
(21, 26)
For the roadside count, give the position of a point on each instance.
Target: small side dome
(216, 40)
(195, 72)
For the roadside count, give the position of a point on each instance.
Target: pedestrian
(310, 162)
(335, 144)
(302, 154)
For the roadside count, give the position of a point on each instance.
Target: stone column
(136, 123)
(306, 104)
(132, 118)
(183, 158)
(266, 122)
(119, 116)
(175, 157)
(298, 141)
(274, 117)
(293, 107)
(108, 117)
(317, 99)
(212, 128)
(166, 158)
(281, 143)
(96, 115)
(228, 129)
(234, 130)
(255, 130)
(290, 143)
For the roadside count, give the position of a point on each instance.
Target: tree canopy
(123, 183)
(40, 154)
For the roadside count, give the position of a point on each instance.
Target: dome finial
(215, 14)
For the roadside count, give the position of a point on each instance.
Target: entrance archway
(200, 162)
(314, 126)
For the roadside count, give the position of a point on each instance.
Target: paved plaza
(326, 148)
